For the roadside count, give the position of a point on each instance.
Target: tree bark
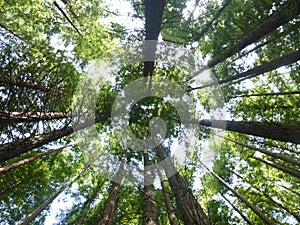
(238, 211)
(150, 215)
(242, 198)
(283, 168)
(190, 210)
(169, 206)
(284, 14)
(107, 217)
(18, 147)
(268, 66)
(10, 187)
(46, 203)
(30, 159)
(20, 117)
(275, 131)
(269, 153)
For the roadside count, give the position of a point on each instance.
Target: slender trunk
(275, 131)
(66, 16)
(238, 211)
(150, 215)
(290, 190)
(283, 168)
(46, 203)
(208, 26)
(30, 159)
(11, 32)
(169, 206)
(268, 66)
(107, 217)
(284, 14)
(90, 201)
(269, 153)
(10, 80)
(268, 94)
(20, 117)
(14, 149)
(189, 208)
(242, 198)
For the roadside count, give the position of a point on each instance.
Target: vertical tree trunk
(169, 206)
(30, 159)
(283, 168)
(190, 209)
(46, 203)
(150, 216)
(276, 131)
(238, 211)
(107, 217)
(250, 205)
(269, 153)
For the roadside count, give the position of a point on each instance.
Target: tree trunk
(107, 217)
(169, 206)
(89, 203)
(18, 147)
(238, 211)
(268, 66)
(10, 187)
(30, 159)
(20, 117)
(150, 216)
(283, 168)
(250, 205)
(285, 13)
(190, 209)
(269, 153)
(46, 203)
(267, 94)
(275, 131)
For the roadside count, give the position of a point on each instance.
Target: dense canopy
(150, 112)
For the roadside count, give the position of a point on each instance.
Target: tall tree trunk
(269, 153)
(242, 198)
(30, 159)
(150, 215)
(275, 131)
(20, 117)
(18, 147)
(169, 206)
(238, 211)
(2, 192)
(190, 210)
(268, 66)
(46, 203)
(107, 217)
(290, 190)
(267, 94)
(284, 14)
(283, 168)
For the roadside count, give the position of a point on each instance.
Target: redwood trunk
(250, 205)
(269, 153)
(238, 211)
(18, 147)
(46, 203)
(275, 131)
(150, 216)
(107, 217)
(283, 168)
(169, 206)
(189, 208)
